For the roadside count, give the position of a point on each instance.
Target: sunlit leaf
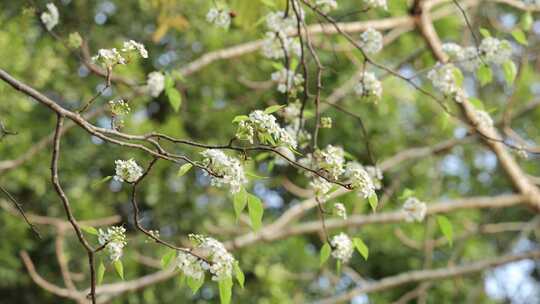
(225, 290)
(272, 109)
(361, 247)
(324, 254)
(89, 229)
(520, 37)
(240, 201)
(194, 284)
(485, 75)
(446, 228)
(184, 169)
(373, 201)
(100, 273)
(239, 274)
(510, 71)
(255, 210)
(119, 267)
(167, 258)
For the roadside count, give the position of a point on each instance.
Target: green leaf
(373, 201)
(520, 37)
(184, 169)
(100, 273)
(338, 266)
(406, 194)
(175, 98)
(272, 109)
(477, 103)
(526, 21)
(167, 258)
(269, 3)
(119, 267)
(253, 175)
(89, 229)
(484, 74)
(181, 280)
(458, 76)
(361, 247)
(239, 274)
(195, 284)
(510, 71)
(239, 201)
(225, 290)
(256, 210)
(324, 254)
(169, 81)
(240, 118)
(446, 228)
(101, 181)
(484, 32)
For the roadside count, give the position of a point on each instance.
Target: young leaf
(184, 169)
(169, 81)
(361, 247)
(119, 268)
(239, 201)
(373, 201)
(338, 266)
(272, 109)
(526, 21)
(89, 229)
(520, 37)
(175, 98)
(446, 228)
(256, 210)
(510, 71)
(167, 258)
(101, 181)
(484, 32)
(324, 254)
(225, 290)
(484, 74)
(458, 76)
(406, 194)
(194, 284)
(240, 118)
(239, 274)
(100, 273)
(477, 103)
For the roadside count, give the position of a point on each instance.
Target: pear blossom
(114, 239)
(483, 119)
(277, 45)
(369, 86)
(340, 210)
(265, 128)
(50, 17)
(376, 3)
(277, 22)
(495, 50)
(228, 170)
(321, 187)
(221, 18)
(326, 5)
(360, 179)
(190, 265)
(119, 107)
(127, 171)
(155, 83)
(371, 41)
(109, 57)
(134, 46)
(414, 209)
(342, 247)
(443, 79)
(288, 81)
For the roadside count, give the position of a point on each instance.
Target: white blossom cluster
(342, 247)
(320, 186)
(288, 81)
(414, 209)
(360, 179)
(376, 3)
(112, 57)
(219, 17)
(495, 51)
(220, 265)
(491, 50)
(326, 5)
(443, 79)
(155, 83)
(371, 41)
(369, 86)
(127, 171)
(376, 176)
(326, 122)
(331, 160)
(291, 115)
(340, 210)
(467, 57)
(277, 43)
(228, 170)
(265, 128)
(50, 17)
(114, 239)
(119, 107)
(483, 119)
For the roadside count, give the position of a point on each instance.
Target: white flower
(331, 160)
(190, 265)
(109, 57)
(340, 210)
(266, 129)
(483, 119)
(414, 209)
(376, 3)
(495, 50)
(114, 239)
(442, 78)
(228, 169)
(221, 18)
(291, 112)
(134, 46)
(376, 176)
(276, 22)
(277, 44)
(453, 51)
(50, 17)
(371, 41)
(360, 179)
(119, 107)
(326, 5)
(127, 171)
(321, 187)
(369, 86)
(470, 60)
(155, 83)
(287, 80)
(326, 122)
(342, 247)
